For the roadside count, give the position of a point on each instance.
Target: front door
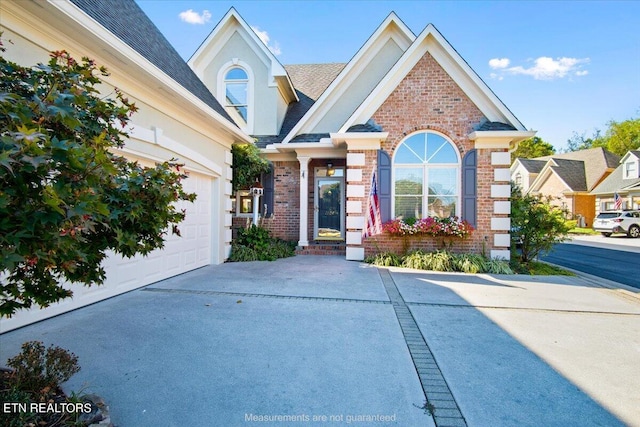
(328, 199)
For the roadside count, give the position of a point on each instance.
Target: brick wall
(428, 99)
(285, 222)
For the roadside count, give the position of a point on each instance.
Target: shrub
(385, 259)
(416, 260)
(498, 266)
(36, 377)
(256, 244)
(470, 263)
(536, 224)
(36, 369)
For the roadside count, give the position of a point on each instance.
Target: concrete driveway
(314, 340)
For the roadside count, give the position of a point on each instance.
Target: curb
(627, 291)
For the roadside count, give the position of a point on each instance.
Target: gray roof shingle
(310, 82)
(615, 182)
(129, 23)
(596, 162)
(531, 165)
(572, 172)
(489, 126)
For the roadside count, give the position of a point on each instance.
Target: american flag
(617, 201)
(374, 223)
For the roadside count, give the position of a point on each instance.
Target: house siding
(429, 99)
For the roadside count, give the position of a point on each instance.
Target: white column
(304, 200)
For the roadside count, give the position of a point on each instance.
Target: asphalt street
(618, 265)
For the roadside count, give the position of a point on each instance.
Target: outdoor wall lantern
(330, 169)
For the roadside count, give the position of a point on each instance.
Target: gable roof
(597, 161)
(616, 183)
(310, 82)
(129, 23)
(572, 172)
(431, 41)
(231, 23)
(635, 153)
(391, 28)
(532, 165)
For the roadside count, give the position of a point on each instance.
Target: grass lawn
(582, 231)
(537, 268)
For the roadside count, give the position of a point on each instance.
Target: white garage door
(180, 254)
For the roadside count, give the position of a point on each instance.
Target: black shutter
(267, 195)
(384, 185)
(469, 187)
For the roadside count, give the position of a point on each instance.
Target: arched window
(426, 177)
(236, 83)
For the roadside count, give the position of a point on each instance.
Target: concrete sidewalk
(316, 340)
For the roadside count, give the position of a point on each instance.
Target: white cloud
(543, 68)
(264, 36)
(497, 63)
(191, 17)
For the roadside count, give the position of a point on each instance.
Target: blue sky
(561, 67)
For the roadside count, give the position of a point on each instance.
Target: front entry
(328, 204)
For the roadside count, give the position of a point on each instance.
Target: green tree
(622, 137)
(536, 224)
(247, 165)
(65, 196)
(531, 148)
(579, 142)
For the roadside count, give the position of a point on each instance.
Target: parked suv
(627, 222)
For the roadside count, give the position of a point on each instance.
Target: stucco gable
(358, 78)
(232, 23)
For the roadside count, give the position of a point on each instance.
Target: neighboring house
(624, 181)
(178, 118)
(406, 107)
(567, 178)
(525, 171)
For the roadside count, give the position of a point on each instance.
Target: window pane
(236, 94)
(236, 74)
(439, 150)
(412, 150)
(442, 207)
(408, 181)
(443, 181)
(238, 112)
(408, 207)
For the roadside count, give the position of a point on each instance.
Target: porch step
(323, 248)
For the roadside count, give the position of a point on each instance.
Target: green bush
(385, 259)
(442, 260)
(470, 263)
(256, 244)
(498, 266)
(416, 260)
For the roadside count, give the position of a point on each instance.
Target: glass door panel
(329, 215)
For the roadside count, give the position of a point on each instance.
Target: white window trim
(457, 165)
(626, 174)
(222, 87)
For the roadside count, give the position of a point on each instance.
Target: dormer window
(236, 82)
(631, 169)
